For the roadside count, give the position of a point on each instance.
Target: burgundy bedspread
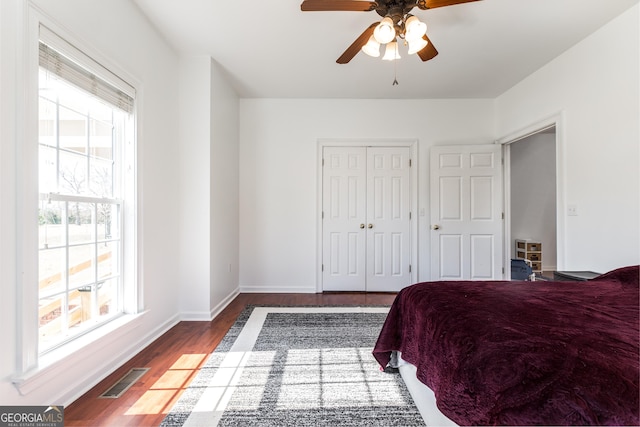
(523, 353)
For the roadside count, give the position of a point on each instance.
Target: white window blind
(65, 61)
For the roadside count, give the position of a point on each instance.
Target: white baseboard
(278, 289)
(224, 303)
(195, 316)
(207, 316)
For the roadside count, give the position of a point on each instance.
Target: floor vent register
(124, 383)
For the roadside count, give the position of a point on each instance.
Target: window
(86, 132)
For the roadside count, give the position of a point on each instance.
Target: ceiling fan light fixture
(414, 29)
(385, 31)
(372, 48)
(391, 52)
(416, 46)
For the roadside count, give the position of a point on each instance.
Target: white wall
(595, 86)
(533, 194)
(225, 208)
(195, 186)
(208, 189)
(8, 138)
(279, 171)
(116, 30)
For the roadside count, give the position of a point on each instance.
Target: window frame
(32, 368)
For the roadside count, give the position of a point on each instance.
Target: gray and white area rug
(297, 366)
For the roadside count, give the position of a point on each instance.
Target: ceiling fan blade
(432, 4)
(429, 51)
(338, 5)
(357, 45)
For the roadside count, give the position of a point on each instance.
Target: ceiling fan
(396, 22)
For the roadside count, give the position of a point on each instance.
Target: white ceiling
(271, 49)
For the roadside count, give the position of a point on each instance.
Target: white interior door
(466, 212)
(366, 202)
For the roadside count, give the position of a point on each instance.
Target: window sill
(65, 358)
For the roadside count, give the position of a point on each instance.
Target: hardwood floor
(174, 360)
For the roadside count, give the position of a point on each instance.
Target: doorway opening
(533, 201)
(534, 197)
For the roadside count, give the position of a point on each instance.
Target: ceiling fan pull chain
(395, 73)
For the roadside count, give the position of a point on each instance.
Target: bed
(522, 353)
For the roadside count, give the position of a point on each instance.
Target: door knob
(436, 227)
(370, 226)
(361, 225)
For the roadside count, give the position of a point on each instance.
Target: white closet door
(366, 198)
(344, 215)
(388, 224)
